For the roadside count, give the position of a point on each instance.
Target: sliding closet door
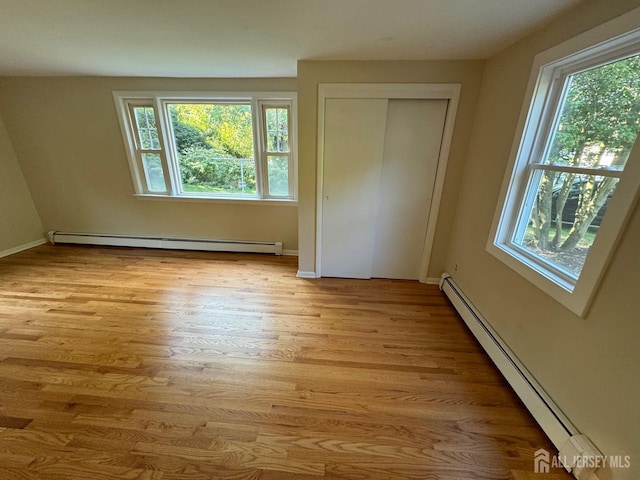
(379, 167)
(354, 133)
(411, 150)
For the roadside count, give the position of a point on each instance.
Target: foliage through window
(276, 120)
(214, 147)
(581, 128)
(596, 126)
(210, 147)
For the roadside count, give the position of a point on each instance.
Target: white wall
(19, 221)
(590, 366)
(66, 137)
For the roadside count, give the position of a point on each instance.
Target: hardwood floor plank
(17, 472)
(137, 364)
(238, 455)
(14, 422)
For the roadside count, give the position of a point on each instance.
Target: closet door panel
(411, 150)
(354, 133)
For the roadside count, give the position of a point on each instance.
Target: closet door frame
(389, 91)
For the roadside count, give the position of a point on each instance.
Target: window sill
(539, 266)
(238, 201)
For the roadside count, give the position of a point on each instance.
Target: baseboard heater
(165, 243)
(562, 433)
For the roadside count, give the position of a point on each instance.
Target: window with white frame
(574, 154)
(210, 146)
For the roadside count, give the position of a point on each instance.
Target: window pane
(564, 217)
(599, 118)
(153, 172)
(147, 131)
(214, 147)
(278, 175)
(277, 122)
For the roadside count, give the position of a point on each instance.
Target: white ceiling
(252, 38)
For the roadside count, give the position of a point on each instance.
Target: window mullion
(259, 147)
(262, 163)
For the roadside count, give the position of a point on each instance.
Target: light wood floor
(143, 364)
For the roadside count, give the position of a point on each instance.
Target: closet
(378, 168)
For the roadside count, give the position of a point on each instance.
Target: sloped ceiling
(252, 38)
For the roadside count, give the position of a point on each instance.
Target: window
(276, 147)
(147, 147)
(574, 154)
(206, 146)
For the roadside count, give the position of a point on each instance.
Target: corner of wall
(22, 227)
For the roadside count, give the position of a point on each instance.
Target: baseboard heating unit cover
(166, 243)
(575, 448)
(557, 427)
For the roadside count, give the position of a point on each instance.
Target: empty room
(307, 240)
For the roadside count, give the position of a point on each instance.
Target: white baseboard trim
(302, 274)
(290, 253)
(548, 415)
(21, 248)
